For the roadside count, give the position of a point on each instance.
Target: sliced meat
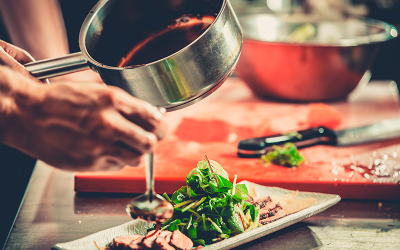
(181, 241)
(166, 235)
(124, 241)
(270, 210)
(137, 244)
(279, 214)
(266, 214)
(150, 238)
(168, 238)
(162, 244)
(152, 233)
(198, 247)
(101, 248)
(262, 202)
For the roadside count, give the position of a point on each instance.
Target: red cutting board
(214, 126)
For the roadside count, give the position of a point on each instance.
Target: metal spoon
(150, 206)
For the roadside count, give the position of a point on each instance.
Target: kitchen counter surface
(53, 213)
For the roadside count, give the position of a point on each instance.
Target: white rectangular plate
(323, 201)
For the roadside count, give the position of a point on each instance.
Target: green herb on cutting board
(210, 208)
(286, 156)
(294, 134)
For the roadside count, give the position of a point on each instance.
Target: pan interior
(118, 25)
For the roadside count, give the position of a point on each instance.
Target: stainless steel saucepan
(173, 82)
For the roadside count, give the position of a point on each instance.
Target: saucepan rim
(91, 17)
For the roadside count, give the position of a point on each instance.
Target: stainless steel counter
(52, 213)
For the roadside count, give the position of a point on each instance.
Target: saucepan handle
(58, 66)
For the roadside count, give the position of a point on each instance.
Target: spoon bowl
(150, 206)
(158, 210)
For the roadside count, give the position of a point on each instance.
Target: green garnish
(209, 207)
(294, 134)
(287, 156)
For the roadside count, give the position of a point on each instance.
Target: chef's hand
(14, 57)
(72, 126)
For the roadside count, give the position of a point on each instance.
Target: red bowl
(313, 66)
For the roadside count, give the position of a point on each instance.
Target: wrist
(16, 93)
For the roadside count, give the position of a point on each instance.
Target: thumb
(8, 60)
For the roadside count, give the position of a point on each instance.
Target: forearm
(6, 105)
(36, 26)
(14, 92)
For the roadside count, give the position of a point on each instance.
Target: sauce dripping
(168, 41)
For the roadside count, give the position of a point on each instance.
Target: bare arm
(37, 26)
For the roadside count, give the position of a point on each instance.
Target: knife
(385, 129)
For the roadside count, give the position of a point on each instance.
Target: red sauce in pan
(163, 43)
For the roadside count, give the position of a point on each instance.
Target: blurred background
(386, 66)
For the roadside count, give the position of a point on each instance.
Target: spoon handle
(148, 162)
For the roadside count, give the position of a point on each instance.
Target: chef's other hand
(76, 127)
(14, 57)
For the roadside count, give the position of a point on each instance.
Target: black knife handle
(255, 147)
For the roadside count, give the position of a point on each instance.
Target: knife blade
(385, 129)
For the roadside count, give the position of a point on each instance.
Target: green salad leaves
(210, 208)
(287, 156)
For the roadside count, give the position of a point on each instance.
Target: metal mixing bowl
(299, 60)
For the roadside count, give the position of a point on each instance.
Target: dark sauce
(175, 36)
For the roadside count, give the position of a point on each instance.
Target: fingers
(17, 53)
(137, 128)
(141, 113)
(114, 158)
(132, 137)
(14, 57)
(121, 156)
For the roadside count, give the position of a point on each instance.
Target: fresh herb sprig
(287, 156)
(210, 208)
